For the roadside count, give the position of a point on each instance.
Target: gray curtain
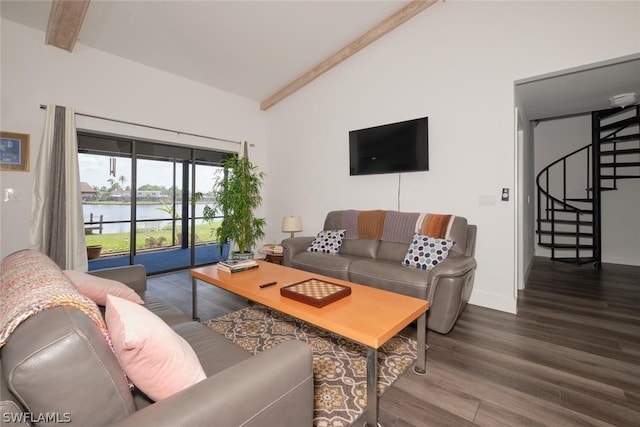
(57, 224)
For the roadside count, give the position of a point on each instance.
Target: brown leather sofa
(377, 260)
(57, 364)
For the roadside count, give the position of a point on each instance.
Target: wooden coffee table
(368, 316)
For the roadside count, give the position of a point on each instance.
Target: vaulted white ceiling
(250, 48)
(255, 48)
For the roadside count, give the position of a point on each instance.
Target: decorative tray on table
(315, 292)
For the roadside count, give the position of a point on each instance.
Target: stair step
(578, 211)
(581, 260)
(620, 165)
(567, 222)
(620, 138)
(621, 123)
(586, 200)
(564, 246)
(619, 176)
(620, 152)
(604, 189)
(563, 233)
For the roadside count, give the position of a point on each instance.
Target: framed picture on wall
(14, 151)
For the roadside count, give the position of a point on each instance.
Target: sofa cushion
(97, 288)
(334, 220)
(134, 276)
(156, 359)
(327, 242)
(399, 227)
(435, 225)
(167, 312)
(371, 224)
(358, 224)
(350, 223)
(458, 233)
(392, 251)
(330, 265)
(390, 276)
(12, 413)
(61, 353)
(215, 352)
(426, 252)
(360, 247)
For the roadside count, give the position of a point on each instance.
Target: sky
(94, 170)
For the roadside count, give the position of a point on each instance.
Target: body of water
(112, 212)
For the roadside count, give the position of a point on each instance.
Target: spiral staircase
(569, 189)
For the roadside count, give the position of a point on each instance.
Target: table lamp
(291, 224)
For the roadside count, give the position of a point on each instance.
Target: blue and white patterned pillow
(426, 252)
(327, 242)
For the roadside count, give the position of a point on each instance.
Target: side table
(276, 259)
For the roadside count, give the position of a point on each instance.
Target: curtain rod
(42, 106)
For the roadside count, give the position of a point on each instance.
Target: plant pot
(242, 255)
(94, 251)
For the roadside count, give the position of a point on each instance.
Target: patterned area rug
(339, 365)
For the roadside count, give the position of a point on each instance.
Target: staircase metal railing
(572, 225)
(549, 206)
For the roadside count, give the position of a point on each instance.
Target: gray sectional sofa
(374, 249)
(56, 364)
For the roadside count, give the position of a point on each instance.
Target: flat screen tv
(391, 148)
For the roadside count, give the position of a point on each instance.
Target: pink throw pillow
(156, 359)
(97, 288)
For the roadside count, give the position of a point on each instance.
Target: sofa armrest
(295, 245)
(453, 267)
(449, 290)
(134, 276)
(273, 388)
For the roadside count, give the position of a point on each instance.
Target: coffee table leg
(421, 363)
(194, 299)
(372, 387)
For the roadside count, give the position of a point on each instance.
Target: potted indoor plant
(236, 196)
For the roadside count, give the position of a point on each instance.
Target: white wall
(456, 63)
(97, 83)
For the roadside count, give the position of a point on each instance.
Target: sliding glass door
(139, 204)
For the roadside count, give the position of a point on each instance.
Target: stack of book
(272, 249)
(235, 265)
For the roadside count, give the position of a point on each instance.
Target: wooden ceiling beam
(390, 23)
(65, 21)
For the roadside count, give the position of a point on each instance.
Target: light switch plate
(9, 195)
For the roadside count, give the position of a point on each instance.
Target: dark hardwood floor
(570, 357)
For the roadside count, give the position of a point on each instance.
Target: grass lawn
(146, 239)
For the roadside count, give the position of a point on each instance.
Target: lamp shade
(291, 224)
